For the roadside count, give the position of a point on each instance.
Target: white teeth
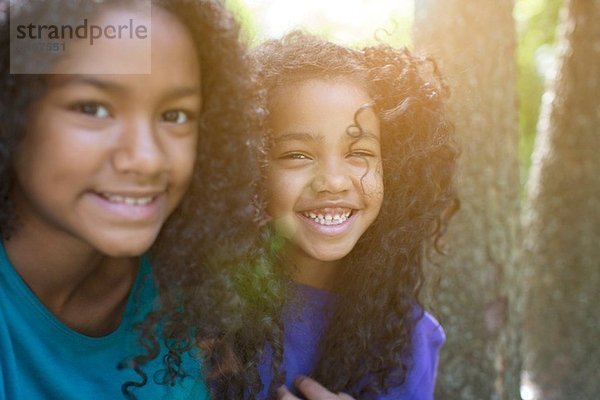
(328, 219)
(130, 201)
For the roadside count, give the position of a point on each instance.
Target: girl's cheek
(372, 182)
(285, 225)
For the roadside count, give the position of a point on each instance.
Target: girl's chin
(324, 256)
(330, 256)
(126, 247)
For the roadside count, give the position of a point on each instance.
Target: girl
(94, 166)
(359, 185)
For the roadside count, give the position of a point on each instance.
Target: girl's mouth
(329, 216)
(128, 200)
(130, 206)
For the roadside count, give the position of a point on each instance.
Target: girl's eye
(361, 153)
(176, 116)
(295, 156)
(92, 109)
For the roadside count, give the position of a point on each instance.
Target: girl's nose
(332, 177)
(140, 151)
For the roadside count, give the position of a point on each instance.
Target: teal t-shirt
(41, 358)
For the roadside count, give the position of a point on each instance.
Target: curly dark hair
(210, 260)
(379, 287)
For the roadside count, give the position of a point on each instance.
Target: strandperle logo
(83, 31)
(52, 32)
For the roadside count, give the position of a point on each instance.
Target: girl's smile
(324, 184)
(330, 219)
(329, 216)
(130, 206)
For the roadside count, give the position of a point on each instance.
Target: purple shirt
(305, 320)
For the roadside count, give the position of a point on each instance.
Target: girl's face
(106, 158)
(325, 186)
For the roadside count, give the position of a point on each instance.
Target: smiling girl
(359, 185)
(94, 165)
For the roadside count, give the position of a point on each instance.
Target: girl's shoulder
(427, 340)
(429, 330)
(422, 361)
(428, 337)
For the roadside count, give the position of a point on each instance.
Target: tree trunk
(479, 296)
(562, 219)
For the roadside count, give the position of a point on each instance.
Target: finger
(344, 396)
(284, 394)
(313, 390)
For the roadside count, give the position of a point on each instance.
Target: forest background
(518, 294)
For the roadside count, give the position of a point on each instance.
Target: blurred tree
(562, 219)
(479, 294)
(536, 27)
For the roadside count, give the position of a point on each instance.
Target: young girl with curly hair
(123, 194)
(359, 184)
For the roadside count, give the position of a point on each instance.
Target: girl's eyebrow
(101, 84)
(182, 91)
(367, 135)
(298, 136)
(117, 88)
(313, 137)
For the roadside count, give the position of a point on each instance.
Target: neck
(316, 273)
(83, 288)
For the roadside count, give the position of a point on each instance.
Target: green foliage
(246, 19)
(536, 26)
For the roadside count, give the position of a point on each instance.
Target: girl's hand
(312, 390)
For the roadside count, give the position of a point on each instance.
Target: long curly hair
(210, 261)
(366, 347)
